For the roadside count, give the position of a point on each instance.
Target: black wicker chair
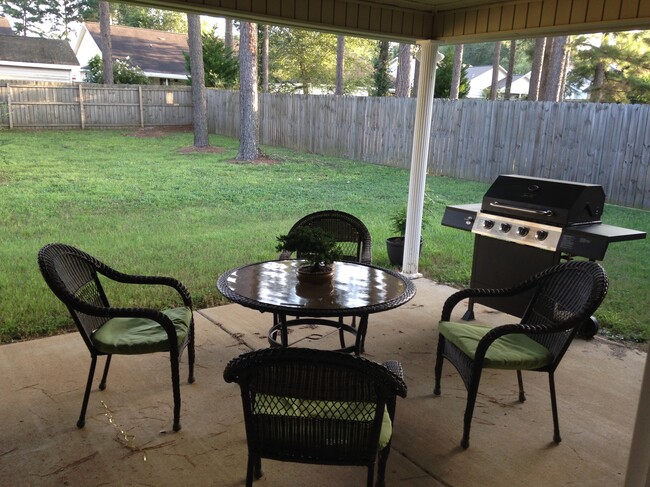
(350, 233)
(316, 406)
(564, 297)
(73, 276)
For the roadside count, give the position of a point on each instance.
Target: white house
(159, 54)
(480, 78)
(518, 88)
(36, 59)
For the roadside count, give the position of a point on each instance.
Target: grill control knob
(541, 235)
(505, 227)
(522, 231)
(487, 224)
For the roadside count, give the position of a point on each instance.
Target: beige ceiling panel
(548, 13)
(563, 13)
(375, 19)
(315, 12)
(630, 8)
(482, 19)
(386, 18)
(327, 12)
(301, 10)
(397, 21)
(579, 11)
(471, 18)
(494, 19)
(507, 17)
(340, 14)
(458, 22)
(534, 15)
(644, 9)
(612, 10)
(521, 17)
(595, 10)
(288, 8)
(363, 17)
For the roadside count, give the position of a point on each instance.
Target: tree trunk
(106, 47)
(495, 70)
(248, 110)
(555, 70)
(511, 68)
(265, 59)
(199, 111)
(595, 93)
(536, 71)
(227, 38)
(340, 63)
(543, 79)
(456, 72)
(416, 79)
(403, 78)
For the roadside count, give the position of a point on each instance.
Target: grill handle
(496, 204)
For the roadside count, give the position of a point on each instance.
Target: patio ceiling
(445, 21)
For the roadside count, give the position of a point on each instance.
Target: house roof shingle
(154, 51)
(36, 50)
(5, 27)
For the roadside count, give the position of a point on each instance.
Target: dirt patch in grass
(158, 131)
(201, 150)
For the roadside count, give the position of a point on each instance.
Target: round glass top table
(356, 290)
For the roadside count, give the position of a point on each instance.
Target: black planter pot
(395, 250)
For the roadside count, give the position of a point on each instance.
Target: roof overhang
(446, 21)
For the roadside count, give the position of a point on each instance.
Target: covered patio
(598, 392)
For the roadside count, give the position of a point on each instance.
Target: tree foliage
(28, 15)
(219, 63)
(442, 88)
(381, 76)
(124, 72)
(624, 61)
(300, 60)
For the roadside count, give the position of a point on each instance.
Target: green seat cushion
(340, 410)
(514, 352)
(140, 335)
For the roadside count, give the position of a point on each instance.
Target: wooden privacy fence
(93, 106)
(604, 144)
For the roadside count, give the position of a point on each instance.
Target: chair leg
(556, 421)
(91, 373)
(190, 354)
(472, 392)
(253, 469)
(381, 468)
(107, 365)
(439, 359)
(371, 477)
(176, 389)
(341, 333)
(520, 380)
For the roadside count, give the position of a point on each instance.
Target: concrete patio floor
(42, 385)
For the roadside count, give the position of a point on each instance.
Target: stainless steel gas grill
(525, 225)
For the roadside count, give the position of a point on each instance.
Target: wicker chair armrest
(148, 280)
(459, 296)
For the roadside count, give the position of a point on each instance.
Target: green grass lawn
(143, 206)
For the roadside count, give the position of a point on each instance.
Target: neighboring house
(159, 54)
(480, 78)
(518, 88)
(36, 59)
(5, 27)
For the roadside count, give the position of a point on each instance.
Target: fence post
(141, 107)
(9, 110)
(82, 114)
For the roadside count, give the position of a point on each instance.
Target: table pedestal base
(282, 325)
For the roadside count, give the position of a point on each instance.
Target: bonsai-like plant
(398, 220)
(313, 244)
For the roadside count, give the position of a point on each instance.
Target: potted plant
(317, 247)
(395, 245)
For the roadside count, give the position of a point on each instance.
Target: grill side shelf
(460, 216)
(591, 241)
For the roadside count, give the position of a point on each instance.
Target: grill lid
(549, 201)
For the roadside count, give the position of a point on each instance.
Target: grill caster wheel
(588, 329)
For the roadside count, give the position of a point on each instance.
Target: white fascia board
(38, 65)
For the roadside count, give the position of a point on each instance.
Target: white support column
(419, 156)
(638, 467)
